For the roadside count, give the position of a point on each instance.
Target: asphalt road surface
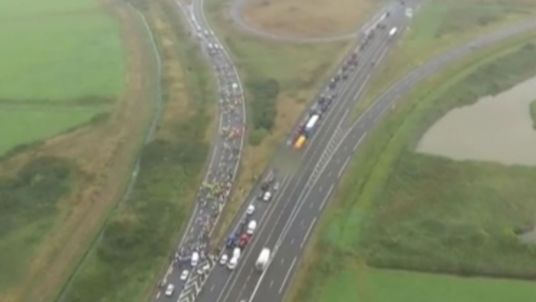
(225, 158)
(287, 221)
(298, 172)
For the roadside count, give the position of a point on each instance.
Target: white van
(195, 259)
(252, 225)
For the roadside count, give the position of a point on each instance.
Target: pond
(496, 128)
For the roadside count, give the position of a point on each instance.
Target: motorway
(287, 222)
(225, 158)
(299, 174)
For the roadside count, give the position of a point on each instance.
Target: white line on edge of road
(326, 197)
(343, 167)
(359, 141)
(308, 232)
(287, 274)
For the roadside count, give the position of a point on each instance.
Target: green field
(55, 51)
(434, 30)
(398, 209)
(18, 127)
(376, 285)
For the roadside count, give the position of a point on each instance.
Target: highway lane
(221, 280)
(225, 157)
(276, 279)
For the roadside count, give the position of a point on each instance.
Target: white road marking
(308, 232)
(158, 295)
(343, 167)
(271, 283)
(287, 274)
(326, 198)
(359, 141)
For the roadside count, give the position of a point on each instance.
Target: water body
(496, 128)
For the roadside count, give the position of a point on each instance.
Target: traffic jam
(309, 124)
(239, 239)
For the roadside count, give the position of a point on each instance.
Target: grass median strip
(398, 209)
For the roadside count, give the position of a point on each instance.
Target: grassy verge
(293, 72)
(396, 206)
(533, 113)
(434, 30)
(126, 260)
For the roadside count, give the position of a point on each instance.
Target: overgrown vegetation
(136, 242)
(139, 236)
(27, 205)
(264, 93)
(398, 209)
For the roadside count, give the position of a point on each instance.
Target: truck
(264, 258)
(311, 123)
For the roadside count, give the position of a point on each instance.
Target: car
(276, 186)
(232, 263)
(244, 240)
(195, 259)
(223, 259)
(267, 196)
(231, 241)
(252, 225)
(169, 290)
(250, 210)
(184, 275)
(206, 267)
(206, 33)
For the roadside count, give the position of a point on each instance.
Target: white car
(184, 274)
(206, 33)
(169, 290)
(223, 259)
(250, 210)
(252, 225)
(267, 196)
(232, 263)
(195, 259)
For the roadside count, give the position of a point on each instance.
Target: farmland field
(306, 18)
(399, 209)
(55, 51)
